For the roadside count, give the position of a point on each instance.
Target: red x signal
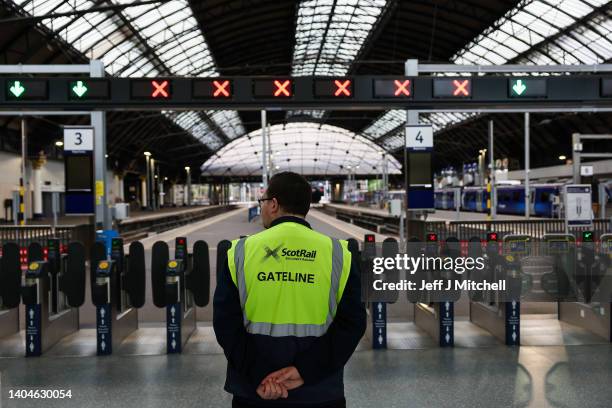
(160, 90)
(461, 87)
(282, 88)
(221, 89)
(342, 88)
(402, 88)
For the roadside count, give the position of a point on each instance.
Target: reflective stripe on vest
(290, 329)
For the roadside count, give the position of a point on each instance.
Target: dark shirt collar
(290, 218)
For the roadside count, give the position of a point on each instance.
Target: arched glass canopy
(306, 148)
(534, 32)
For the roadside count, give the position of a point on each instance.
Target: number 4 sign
(419, 137)
(78, 138)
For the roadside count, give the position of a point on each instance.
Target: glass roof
(193, 123)
(330, 33)
(385, 124)
(517, 38)
(153, 39)
(306, 148)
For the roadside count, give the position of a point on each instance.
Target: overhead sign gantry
(376, 92)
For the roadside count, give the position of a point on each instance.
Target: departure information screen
(419, 168)
(78, 173)
(212, 88)
(151, 89)
(26, 89)
(452, 88)
(281, 88)
(393, 88)
(333, 88)
(86, 89)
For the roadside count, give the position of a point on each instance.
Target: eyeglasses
(261, 200)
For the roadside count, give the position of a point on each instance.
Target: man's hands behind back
(278, 383)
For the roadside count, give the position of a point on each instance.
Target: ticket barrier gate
(433, 316)
(10, 282)
(117, 291)
(376, 300)
(53, 291)
(499, 317)
(180, 284)
(591, 285)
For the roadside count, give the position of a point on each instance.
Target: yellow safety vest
(290, 279)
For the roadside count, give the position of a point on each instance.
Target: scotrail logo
(292, 254)
(272, 252)
(299, 253)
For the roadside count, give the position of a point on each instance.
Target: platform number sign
(419, 137)
(78, 139)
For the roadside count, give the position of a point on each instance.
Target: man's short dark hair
(292, 191)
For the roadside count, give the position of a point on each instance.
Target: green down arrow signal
(17, 89)
(519, 87)
(79, 89)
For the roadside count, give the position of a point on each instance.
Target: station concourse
(458, 152)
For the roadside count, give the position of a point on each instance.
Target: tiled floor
(491, 377)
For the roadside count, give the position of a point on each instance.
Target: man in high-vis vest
(287, 307)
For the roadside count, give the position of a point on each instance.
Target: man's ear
(277, 207)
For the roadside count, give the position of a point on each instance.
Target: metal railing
(26, 234)
(464, 230)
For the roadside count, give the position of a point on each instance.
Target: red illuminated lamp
(492, 236)
(432, 237)
(181, 241)
(282, 88)
(461, 87)
(221, 89)
(370, 238)
(160, 90)
(342, 87)
(402, 87)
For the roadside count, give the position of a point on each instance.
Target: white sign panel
(419, 137)
(78, 139)
(578, 209)
(586, 171)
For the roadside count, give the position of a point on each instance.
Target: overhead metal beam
(18, 69)
(44, 113)
(512, 68)
(96, 9)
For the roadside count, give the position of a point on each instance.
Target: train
(545, 199)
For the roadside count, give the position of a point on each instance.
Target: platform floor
(493, 377)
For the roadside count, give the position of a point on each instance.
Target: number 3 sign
(419, 137)
(78, 138)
